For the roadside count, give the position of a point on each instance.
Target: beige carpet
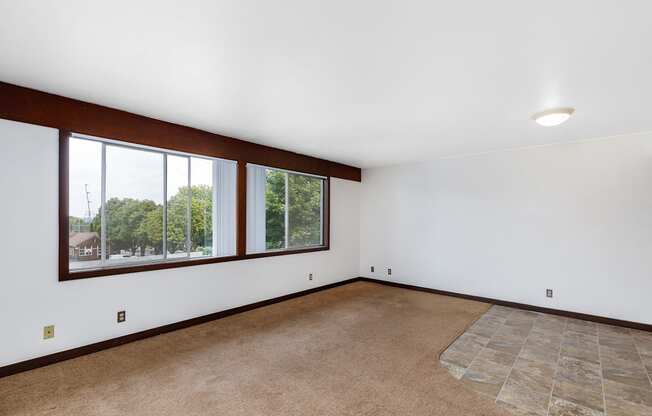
(359, 349)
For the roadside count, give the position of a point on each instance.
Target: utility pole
(88, 204)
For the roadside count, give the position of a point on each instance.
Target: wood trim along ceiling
(36, 107)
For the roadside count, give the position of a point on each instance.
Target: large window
(285, 210)
(131, 205)
(127, 208)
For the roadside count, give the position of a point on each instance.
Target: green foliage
(304, 220)
(201, 229)
(133, 223)
(153, 227)
(275, 209)
(304, 216)
(178, 220)
(129, 224)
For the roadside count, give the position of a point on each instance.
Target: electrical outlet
(122, 316)
(310, 276)
(548, 293)
(389, 272)
(372, 269)
(48, 332)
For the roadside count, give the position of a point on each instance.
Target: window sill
(281, 252)
(117, 270)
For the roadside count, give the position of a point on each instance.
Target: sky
(130, 173)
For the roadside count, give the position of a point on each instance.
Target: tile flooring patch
(538, 364)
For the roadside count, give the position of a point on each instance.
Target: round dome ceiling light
(553, 117)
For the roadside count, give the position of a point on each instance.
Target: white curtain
(256, 183)
(225, 174)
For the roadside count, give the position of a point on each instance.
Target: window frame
(106, 143)
(66, 274)
(322, 218)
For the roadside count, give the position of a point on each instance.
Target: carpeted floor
(359, 349)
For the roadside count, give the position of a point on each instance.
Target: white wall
(84, 311)
(576, 218)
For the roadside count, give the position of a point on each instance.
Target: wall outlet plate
(310, 276)
(122, 316)
(389, 272)
(48, 332)
(372, 269)
(548, 293)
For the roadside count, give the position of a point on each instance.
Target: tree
(201, 212)
(153, 228)
(133, 223)
(304, 210)
(127, 225)
(177, 221)
(275, 209)
(304, 216)
(130, 225)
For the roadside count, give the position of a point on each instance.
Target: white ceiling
(364, 82)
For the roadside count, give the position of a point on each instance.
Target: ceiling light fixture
(553, 117)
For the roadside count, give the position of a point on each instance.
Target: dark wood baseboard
(576, 315)
(103, 345)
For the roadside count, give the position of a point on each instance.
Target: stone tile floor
(538, 364)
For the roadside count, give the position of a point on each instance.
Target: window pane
(137, 207)
(85, 194)
(275, 210)
(201, 177)
(134, 205)
(177, 193)
(305, 210)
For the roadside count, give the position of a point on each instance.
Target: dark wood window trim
(241, 227)
(66, 114)
(44, 109)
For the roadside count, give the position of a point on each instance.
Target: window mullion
(165, 206)
(189, 211)
(287, 210)
(104, 256)
(321, 213)
(216, 211)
